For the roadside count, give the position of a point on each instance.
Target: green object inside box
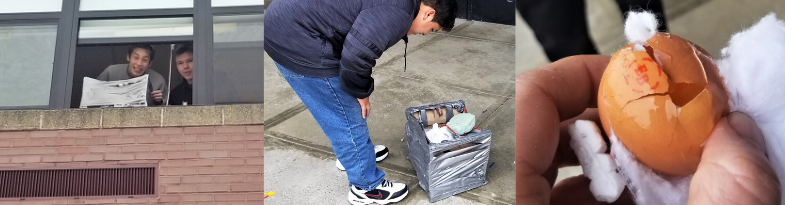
(462, 123)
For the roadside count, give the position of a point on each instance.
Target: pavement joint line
(466, 25)
(303, 144)
(283, 116)
(482, 39)
(473, 90)
(492, 112)
(294, 141)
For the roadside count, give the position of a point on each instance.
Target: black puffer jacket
(328, 38)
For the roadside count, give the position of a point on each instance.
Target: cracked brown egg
(662, 102)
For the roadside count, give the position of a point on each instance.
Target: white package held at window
(120, 93)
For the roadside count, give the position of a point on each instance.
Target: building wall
(197, 165)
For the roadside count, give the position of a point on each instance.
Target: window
(26, 62)
(226, 3)
(104, 5)
(237, 59)
(124, 28)
(48, 47)
(30, 6)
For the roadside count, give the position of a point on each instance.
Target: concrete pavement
(473, 63)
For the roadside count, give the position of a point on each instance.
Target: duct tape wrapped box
(450, 167)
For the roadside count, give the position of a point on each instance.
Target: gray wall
(238, 75)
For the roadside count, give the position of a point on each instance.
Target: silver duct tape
(450, 167)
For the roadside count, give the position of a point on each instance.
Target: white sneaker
(386, 192)
(381, 154)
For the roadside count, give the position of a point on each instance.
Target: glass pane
(241, 28)
(30, 6)
(26, 62)
(237, 64)
(120, 28)
(103, 5)
(222, 3)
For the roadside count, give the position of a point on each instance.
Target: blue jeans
(340, 117)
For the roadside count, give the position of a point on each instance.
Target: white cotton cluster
(753, 68)
(438, 134)
(639, 27)
(606, 184)
(646, 186)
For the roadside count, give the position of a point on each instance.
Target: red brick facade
(197, 165)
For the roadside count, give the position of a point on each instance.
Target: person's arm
(174, 98)
(374, 31)
(165, 92)
(161, 85)
(104, 76)
(157, 88)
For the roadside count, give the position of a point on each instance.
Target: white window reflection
(226, 3)
(237, 59)
(122, 28)
(26, 61)
(30, 6)
(110, 5)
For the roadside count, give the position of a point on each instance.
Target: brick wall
(197, 165)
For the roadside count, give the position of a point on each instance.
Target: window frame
(68, 22)
(34, 22)
(45, 18)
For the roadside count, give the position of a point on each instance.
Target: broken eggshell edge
(663, 111)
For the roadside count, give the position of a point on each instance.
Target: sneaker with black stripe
(381, 154)
(387, 192)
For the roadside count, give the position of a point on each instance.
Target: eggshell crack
(663, 102)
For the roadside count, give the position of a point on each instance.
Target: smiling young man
(140, 58)
(326, 49)
(184, 59)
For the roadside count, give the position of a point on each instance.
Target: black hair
(179, 49)
(445, 12)
(147, 47)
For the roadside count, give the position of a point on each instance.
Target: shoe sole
(355, 201)
(378, 159)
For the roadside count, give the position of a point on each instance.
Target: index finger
(545, 97)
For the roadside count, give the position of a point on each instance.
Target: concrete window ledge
(100, 118)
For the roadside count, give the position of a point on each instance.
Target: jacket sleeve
(159, 83)
(104, 76)
(374, 31)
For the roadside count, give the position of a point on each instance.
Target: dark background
(493, 11)
(237, 74)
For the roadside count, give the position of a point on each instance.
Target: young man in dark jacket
(184, 59)
(325, 49)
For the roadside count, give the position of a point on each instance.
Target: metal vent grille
(76, 183)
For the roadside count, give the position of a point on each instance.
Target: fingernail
(746, 128)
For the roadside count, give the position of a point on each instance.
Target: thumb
(746, 129)
(734, 167)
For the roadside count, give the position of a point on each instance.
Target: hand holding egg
(662, 100)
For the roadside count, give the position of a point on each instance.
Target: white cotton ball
(646, 186)
(639, 27)
(606, 184)
(753, 72)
